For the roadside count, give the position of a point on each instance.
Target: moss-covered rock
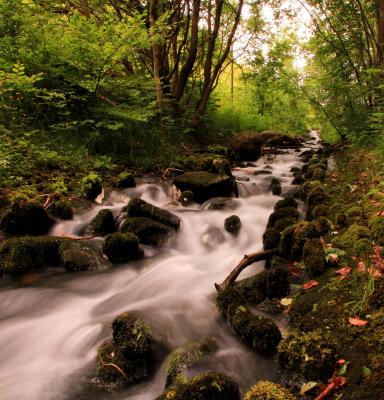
(61, 209)
(75, 258)
(260, 333)
(125, 180)
(271, 239)
(205, 185)
(276, 187)
(282, 213)
(247, 146)
(221, 166)
(265, 390)
(26, 219)
(184, 357)
(130, 356)
(207, 386)
(148, 231)
(284, 223)
(122, 247)
(348, 238)
(140, 208)
(103, 223)
(288, 202)
(341, 220)
(311, 354)
(313, 257)
(200, 162)
(232, 224)
(91, 186)
(376, 225)
(298, 178)
(319, 211)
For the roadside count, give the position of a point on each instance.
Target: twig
(103, 364)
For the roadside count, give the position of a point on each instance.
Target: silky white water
(51, 326)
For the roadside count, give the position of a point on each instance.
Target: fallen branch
(112, 365)
(77, 238)
(244, 263)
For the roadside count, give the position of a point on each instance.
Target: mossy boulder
(276, 187)
(221, 166)
(125, 180)
(61, 209)
(184, 357)
(232, 224)
(200, 162)
(148, 231)
(140, 208)
(280, 213)
(265, 390)
(103, 223)
(91, 186)
(313, 257)
(271, 239)
(284, 223)
(26, 219)
(288, 202)
(311, 354)
(247, 146)
(205, 185)
(131, 355)
(298, 178)
(122, 247)
(319, 211)
(206, 386)
(75, 258)
(260, 333)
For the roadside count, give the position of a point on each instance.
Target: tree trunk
(380, 32)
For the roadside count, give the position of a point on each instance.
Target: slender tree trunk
(380, 32)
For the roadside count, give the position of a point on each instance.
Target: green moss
(363, 248)
(313, 257)
(309, 186)
(210, 385)
(232, 224)
(74, 258)
(104, 223)
(91, 186)
(149, 232)
(125, 180)
(348, 238)
(284, 223)
(271, 239)
(200, 162)
(26, 219)
(311, 354)
(140, 208)
(376, 225)
(265, 390)
(220, 150)
(184, 357)
(122, 247)
(282, 213)
(61, 209)
(319, 211)
(341, 220)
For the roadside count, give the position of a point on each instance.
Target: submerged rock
(122, 247)
(103, 223)
(206, 386)
(265, 390)
(131, 355)
(205, 185)
(232, 224)
(26, 219)
(140, 208)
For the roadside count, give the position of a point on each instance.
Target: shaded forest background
(95, 85)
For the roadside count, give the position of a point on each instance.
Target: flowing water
(50, 327)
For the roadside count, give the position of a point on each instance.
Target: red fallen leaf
(310, 284)
(344, 271)
(356, 321)
(380, 214)
(341, 361)
(334, 383)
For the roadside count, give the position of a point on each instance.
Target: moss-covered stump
(91, 186)
(125, 180)
(148, 231)
(312, 355)
(61, 209)
(122, 247)
(258, 332)
(282, 212)
(232, 224)
(313, 257)
(103, 223)
(140, 208)
(130, 356)
(184, 357)
(26, 219)
(265, 390)
(207, 386)
(205, 185)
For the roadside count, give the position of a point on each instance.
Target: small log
(244, 263)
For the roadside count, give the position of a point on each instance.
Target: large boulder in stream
(140, 208)
(132, 354)
(122, 247)
(205, 185)
(26, 219)
(206, 386)
(103, 224)
(27, 254)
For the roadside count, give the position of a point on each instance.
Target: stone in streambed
(186, 198)
(140, 208)
(26, 219)
(205, 185)
(275, 187)
(122, 247)
(232, 224)
(103, 223)
(91, 186)
(280, 213)
(265, 390)
(125, 180)
(287, 202)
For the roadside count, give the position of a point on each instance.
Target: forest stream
(52, 324)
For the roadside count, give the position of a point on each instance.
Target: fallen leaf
(307, 387)
(310, 284)
(380, 214)
(356, 321)
(334, 383)
(286, 301)
(341, 361)
(344, 271)
(366, 371)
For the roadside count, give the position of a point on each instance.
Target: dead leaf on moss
(310, 284)
(357, 321)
